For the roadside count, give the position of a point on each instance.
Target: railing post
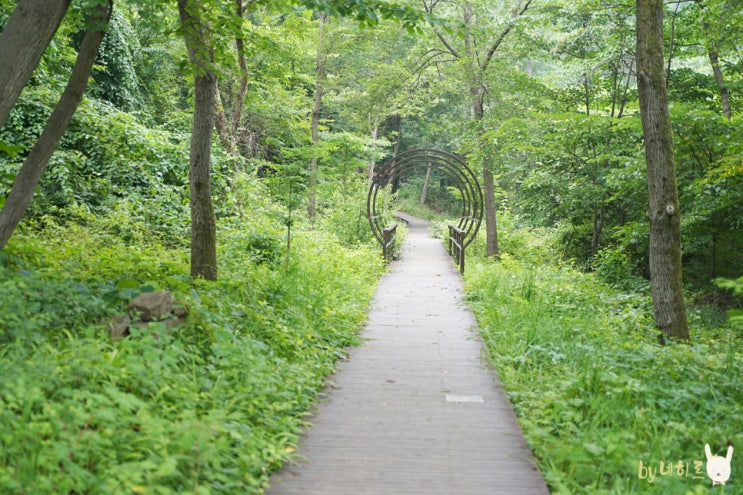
(388, 236)
(456, 246)
(451, 245)
(460, 240)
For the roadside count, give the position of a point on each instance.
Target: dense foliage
(597, 398)
(213, 406)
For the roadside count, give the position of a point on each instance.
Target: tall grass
(600, 402)
(211, 408)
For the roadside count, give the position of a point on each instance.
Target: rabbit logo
(718, 468)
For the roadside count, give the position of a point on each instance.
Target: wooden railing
(456, 246)
(388, 235)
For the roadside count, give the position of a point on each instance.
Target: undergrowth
(213, 407)
(605, 409)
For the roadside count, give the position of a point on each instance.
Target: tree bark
(372, 163)
(424, 192)
(242, 90)
(203, 222)
(714, 59)
(315, 124)
(228, 125)
(614, 87)
(488, 182)
(33, 166)
(224, 128)
(22, 43)
(669, 307)
(491, 216)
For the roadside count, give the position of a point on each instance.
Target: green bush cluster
(213, 407)
(107, 162)
(594, 392)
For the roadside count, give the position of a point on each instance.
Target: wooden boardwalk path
(415, 410)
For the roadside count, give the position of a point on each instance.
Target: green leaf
(10, 149)
(168, 467)
(127, 284)
(593, 448)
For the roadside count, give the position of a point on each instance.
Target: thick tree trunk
(669, 306)
(203, 223)
(22, 43)
(315, 124)
(33, 166)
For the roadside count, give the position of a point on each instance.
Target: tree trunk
(224, 129)
(33, 166)
(614, 88)
(372, 162)
(315, 124)
(478, 103)
(722, 88)
(228, 125)
(491, 218)
(398, 134)
(714, 59)
(242, 90)
(671, 44)
(669, 307)
(22, 43)
(598, 226)
(424, 192)
(203, 223)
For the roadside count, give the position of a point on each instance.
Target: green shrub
(616, 268)
(213, 407)
(342, 211)
(34, 306)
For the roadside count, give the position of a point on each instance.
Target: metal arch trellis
(450, 164)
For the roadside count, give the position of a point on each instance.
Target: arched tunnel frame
(452, 165)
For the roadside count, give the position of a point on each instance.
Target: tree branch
(518, 12)
(448, 45)
(428, 7)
